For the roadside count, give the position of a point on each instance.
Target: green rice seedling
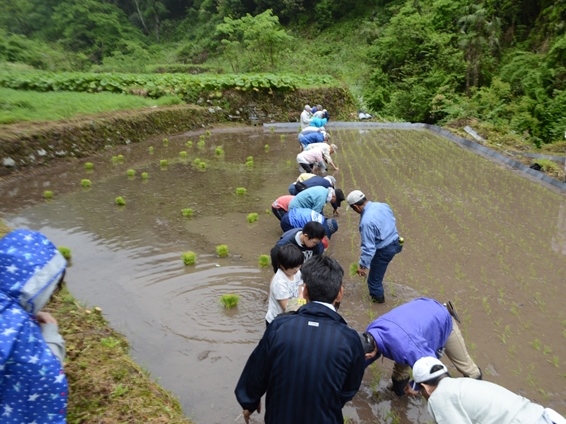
(202, 137)
(250, 159)
(89, 165)
(202, 165)
(144, 175)
(250, 163)
(241, 191)
(115, 160)
(183, 154)
(288, 164)
(187, 212)
(252, 217)
(219, 151)
(196, 161)
(536, 344)
(120, 201)
(86, 183)
(48, 194)
(272, 129)
(131, 172)
(263, 261)
(222, 250)
(208, 133)
(189, 258)
(150, 150)
(555, 361)
(353, 269)
(267, 211)
(282, 137)
(120, 158)
(163, 163)
(65, 251)
(266, 147)
(201, 144)
(546, 350)
(166, 142)
(189, 143)
(229, 300)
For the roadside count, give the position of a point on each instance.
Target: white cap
(422, 369)
(331, 179)
(334, 147)
(354, 197)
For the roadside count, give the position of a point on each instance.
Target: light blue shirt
(312, 198)
(377, 230)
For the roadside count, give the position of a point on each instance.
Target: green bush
(189, 258)
(222, 250)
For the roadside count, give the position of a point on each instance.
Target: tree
(258, 38)
(478, 37)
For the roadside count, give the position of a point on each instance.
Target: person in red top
(281, 206)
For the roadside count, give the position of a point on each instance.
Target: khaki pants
(455, 350)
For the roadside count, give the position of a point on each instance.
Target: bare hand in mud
(362, 271)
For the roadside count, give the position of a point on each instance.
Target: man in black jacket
(310, 363)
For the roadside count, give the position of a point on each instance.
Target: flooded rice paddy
(476, 233)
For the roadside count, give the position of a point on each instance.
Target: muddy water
(476, 233)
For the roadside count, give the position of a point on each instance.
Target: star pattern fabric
(33, 386)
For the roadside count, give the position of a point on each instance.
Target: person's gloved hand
(399, 386)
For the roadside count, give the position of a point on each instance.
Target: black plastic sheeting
(468, 144)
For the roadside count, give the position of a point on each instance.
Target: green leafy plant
(187, 212)
(189, 258)
(201, 144)
(219, 151)
(48, 194)
(202, 137)
(189, 143)
(353, 269)
(166, 142)
(241, 191)
(282, 137)
(89, 165)
(183, 154)
(202, 165)
(266, 147)
(65, 251)
(230, 300)
(150, 150)
(131, 172)
(208, 133)
(120, 158)
(86, 183)
(252, 217)
(196, 161)
(120, 201)
(163, 163)
(144, 175)
(263, 261)
(250, 162)
(222, 250)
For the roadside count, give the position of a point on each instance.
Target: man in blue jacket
(379, 241)
(310, 363)
(299, 217)
(316, 197)
(308, 136)
(314, 181)
(422, 327)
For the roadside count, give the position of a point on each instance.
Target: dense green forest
(498, 62)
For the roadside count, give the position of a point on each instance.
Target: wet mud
(476, 233)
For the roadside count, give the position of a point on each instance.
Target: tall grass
(19, 106)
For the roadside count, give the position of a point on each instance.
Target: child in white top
(287, 282)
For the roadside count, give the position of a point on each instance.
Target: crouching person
(33, 387)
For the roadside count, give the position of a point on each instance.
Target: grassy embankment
(105, 384)
(20, 106)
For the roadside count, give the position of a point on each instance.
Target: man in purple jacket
(422, 327)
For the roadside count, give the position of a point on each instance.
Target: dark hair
(434, 381)
(323, 278)
(290, 256)
(314, 230)
(360, 202)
